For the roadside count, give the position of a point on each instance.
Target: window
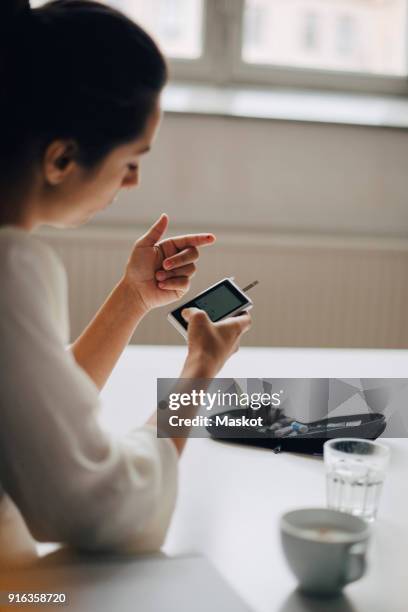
(177, 24)
(374, 28)
(336, 44)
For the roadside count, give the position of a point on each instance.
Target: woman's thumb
(187, 313)
(156, 231)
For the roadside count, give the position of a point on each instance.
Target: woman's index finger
(196, 240)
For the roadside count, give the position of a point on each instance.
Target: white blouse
(62, 477)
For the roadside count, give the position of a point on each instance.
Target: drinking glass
(355, 472)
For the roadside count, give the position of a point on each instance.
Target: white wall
(211, 172)
(317, 212)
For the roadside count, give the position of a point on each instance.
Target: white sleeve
(70, 480)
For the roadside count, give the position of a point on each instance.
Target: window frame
(222, 62)
(215, 64)
(197, 68)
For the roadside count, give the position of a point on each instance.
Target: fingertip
(192, 310)
(210, 238)
(243, 313)
(203, 240)
(245, 320)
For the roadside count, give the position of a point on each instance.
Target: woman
(80, 104)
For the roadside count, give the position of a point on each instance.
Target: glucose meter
(221, 300)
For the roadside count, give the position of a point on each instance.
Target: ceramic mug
(326, 549)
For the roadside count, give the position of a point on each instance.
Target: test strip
(251, 285)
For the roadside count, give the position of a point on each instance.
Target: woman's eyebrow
(145, 150)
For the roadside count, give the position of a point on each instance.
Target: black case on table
(372, 425)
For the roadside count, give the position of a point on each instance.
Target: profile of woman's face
(81, 193)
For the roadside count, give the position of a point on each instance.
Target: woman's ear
(60, 160)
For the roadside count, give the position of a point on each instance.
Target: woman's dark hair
(72, 69)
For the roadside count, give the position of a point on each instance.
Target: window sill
(287, 105)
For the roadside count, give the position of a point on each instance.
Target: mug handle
(356, 564)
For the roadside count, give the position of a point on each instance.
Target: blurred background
(285, 134)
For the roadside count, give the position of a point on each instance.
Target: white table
(231, 497)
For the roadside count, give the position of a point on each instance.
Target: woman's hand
(211, 344)
(159, 271)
